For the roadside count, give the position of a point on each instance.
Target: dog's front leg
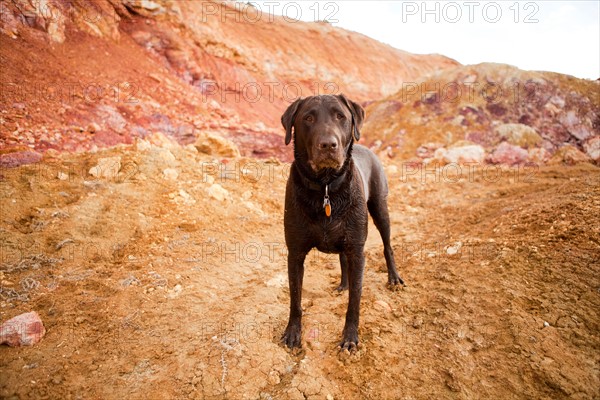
(293, 332)
(356, 266)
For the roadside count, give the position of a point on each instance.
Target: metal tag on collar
(326, 203)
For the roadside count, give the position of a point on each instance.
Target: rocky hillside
(489, 113)
(80, 74)
(142, 228)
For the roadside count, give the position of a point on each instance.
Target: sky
(550, 35)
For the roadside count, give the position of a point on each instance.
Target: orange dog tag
(326, 203)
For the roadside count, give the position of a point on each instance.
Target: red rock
(15, 159)
(111, 118)
(508, 154)
(23, 330)
(486, 138)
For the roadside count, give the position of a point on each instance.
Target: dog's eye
(309, 118)
(340, 116)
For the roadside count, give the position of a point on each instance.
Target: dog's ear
(358, 115)
(287, 119)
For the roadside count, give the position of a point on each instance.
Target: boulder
(23, 330)
(506, 153)
(486, 138)
(575, 125)
(17, 158)
(213, 144)
(538, 155)
(519, 135)
(468, 154)
(45, 16)
(592, 148)
(569, 155)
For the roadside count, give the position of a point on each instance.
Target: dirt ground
(150, 288)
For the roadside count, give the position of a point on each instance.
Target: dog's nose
(327, 144)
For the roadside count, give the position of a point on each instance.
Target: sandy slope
(150, 288)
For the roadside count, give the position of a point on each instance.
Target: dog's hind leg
(379, 212)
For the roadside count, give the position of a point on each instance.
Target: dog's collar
(319, 187)
(331, 186)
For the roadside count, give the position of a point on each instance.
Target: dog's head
(324, 128)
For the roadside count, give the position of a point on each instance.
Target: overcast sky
(559, 36)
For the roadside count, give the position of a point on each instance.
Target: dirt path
(151, 288)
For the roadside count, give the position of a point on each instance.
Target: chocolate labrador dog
(333, 182)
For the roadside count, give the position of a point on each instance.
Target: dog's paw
(349, 342)
(292, 337)
(395, 282)
(349, 346)
(341, 287)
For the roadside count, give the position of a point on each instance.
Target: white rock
(187, 198)
(452, 250)
(462, 155)
(171, 174)
(166, 156)
(279, 280)
(175, 292)
(592, 148)
(253, 207)
(247, 195)
(142, 145)
(107, 167)
(274, 378)
(382, 305)
(217, 192)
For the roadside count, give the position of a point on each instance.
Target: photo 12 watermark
(453, 12)
(72, 92)
(266, 11)
(270, 91)
(468, 172)
(455, 92)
